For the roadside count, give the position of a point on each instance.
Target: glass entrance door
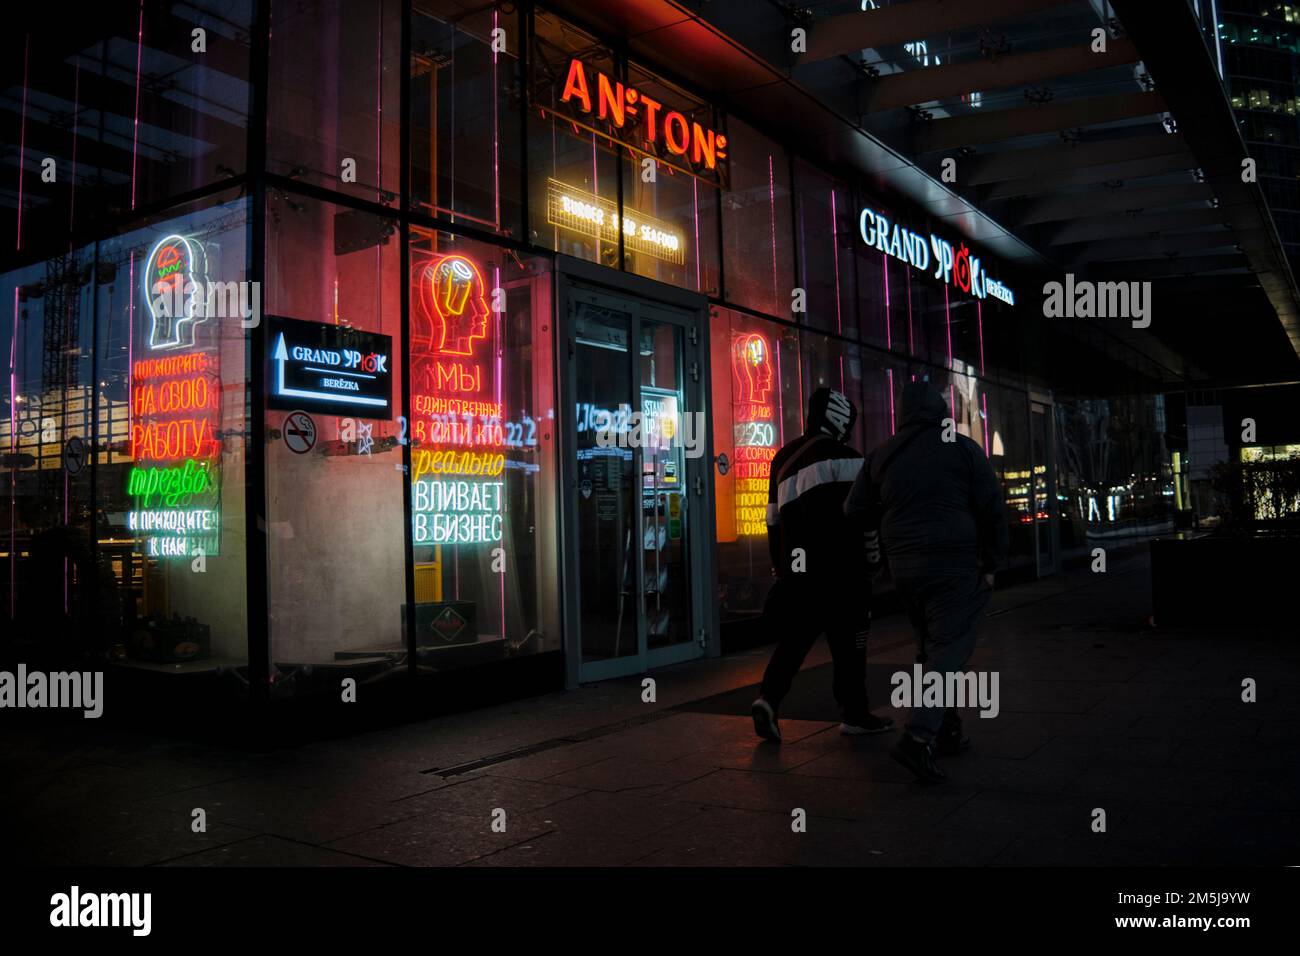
(636, 483)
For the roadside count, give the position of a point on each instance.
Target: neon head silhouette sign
(175, 284)
(751, 367)
(453, 297)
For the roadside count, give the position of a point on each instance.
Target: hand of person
(988, 581)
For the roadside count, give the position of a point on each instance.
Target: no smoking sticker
(74, 455)
(299, 432)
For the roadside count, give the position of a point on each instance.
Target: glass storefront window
(170, 455)
(464, 124)
(872, 305)
(483, 487)
(682, 211)
(192, 122)
(333, 95)
(573, 171)
(757, 407)
(758, 261)
(1010, 456)
(927, 333)
(52, 579)
(831, 363)
(336, 569)
(882, 383)
(440, 479)
(131, 113)
(825, 227)
(664, 201)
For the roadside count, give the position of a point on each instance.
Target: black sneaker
(765, 724)
(950, 741)
(870, 724)
(916, 757)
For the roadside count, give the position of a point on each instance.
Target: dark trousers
(945, 612)
(796, 615)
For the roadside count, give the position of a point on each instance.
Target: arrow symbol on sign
(280, 356)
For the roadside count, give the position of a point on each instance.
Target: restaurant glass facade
(425, 175)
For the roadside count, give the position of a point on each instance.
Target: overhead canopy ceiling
(1122, 164)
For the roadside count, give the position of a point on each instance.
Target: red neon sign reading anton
(620, 106)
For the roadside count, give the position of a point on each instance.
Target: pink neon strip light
(835, 258)
(135, 129)
(911, 346)
(695, 187)
(780, 417)
(130, 340)
(984, 401)
(595, 188)
(947, 319)
(72, 185)
(496, 284)
(496, 146)
(13, 448)
(771, 200)
(884, 268)
(22, 158)
(890, 373)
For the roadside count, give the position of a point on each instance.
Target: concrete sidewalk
(1098, 711)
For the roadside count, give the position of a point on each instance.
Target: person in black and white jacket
(822, 565)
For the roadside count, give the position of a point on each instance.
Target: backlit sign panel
(597, 218)
(175, 445)
(754, 429)
(329, 368)
(458, 453)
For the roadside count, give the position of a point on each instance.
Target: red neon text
(617, 104)
(167, 441)
(457, 377)
(178, 395)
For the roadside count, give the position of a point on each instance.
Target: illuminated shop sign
(175, 279)
(330, 368)
(454, 297)
(175, 446)
(169, 485)
(955, 267)
(754, 429)
(456, 512)
(589, 215)
(458, 427)
(452, 384)
(175, 533)
(426, 462)
(638, 120)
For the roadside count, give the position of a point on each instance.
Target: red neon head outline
(751, 367)
(454, 300)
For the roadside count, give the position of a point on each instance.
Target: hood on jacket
(922, 402)
(831, 413)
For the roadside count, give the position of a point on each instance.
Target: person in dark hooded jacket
(821, 567)
(935, 503)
